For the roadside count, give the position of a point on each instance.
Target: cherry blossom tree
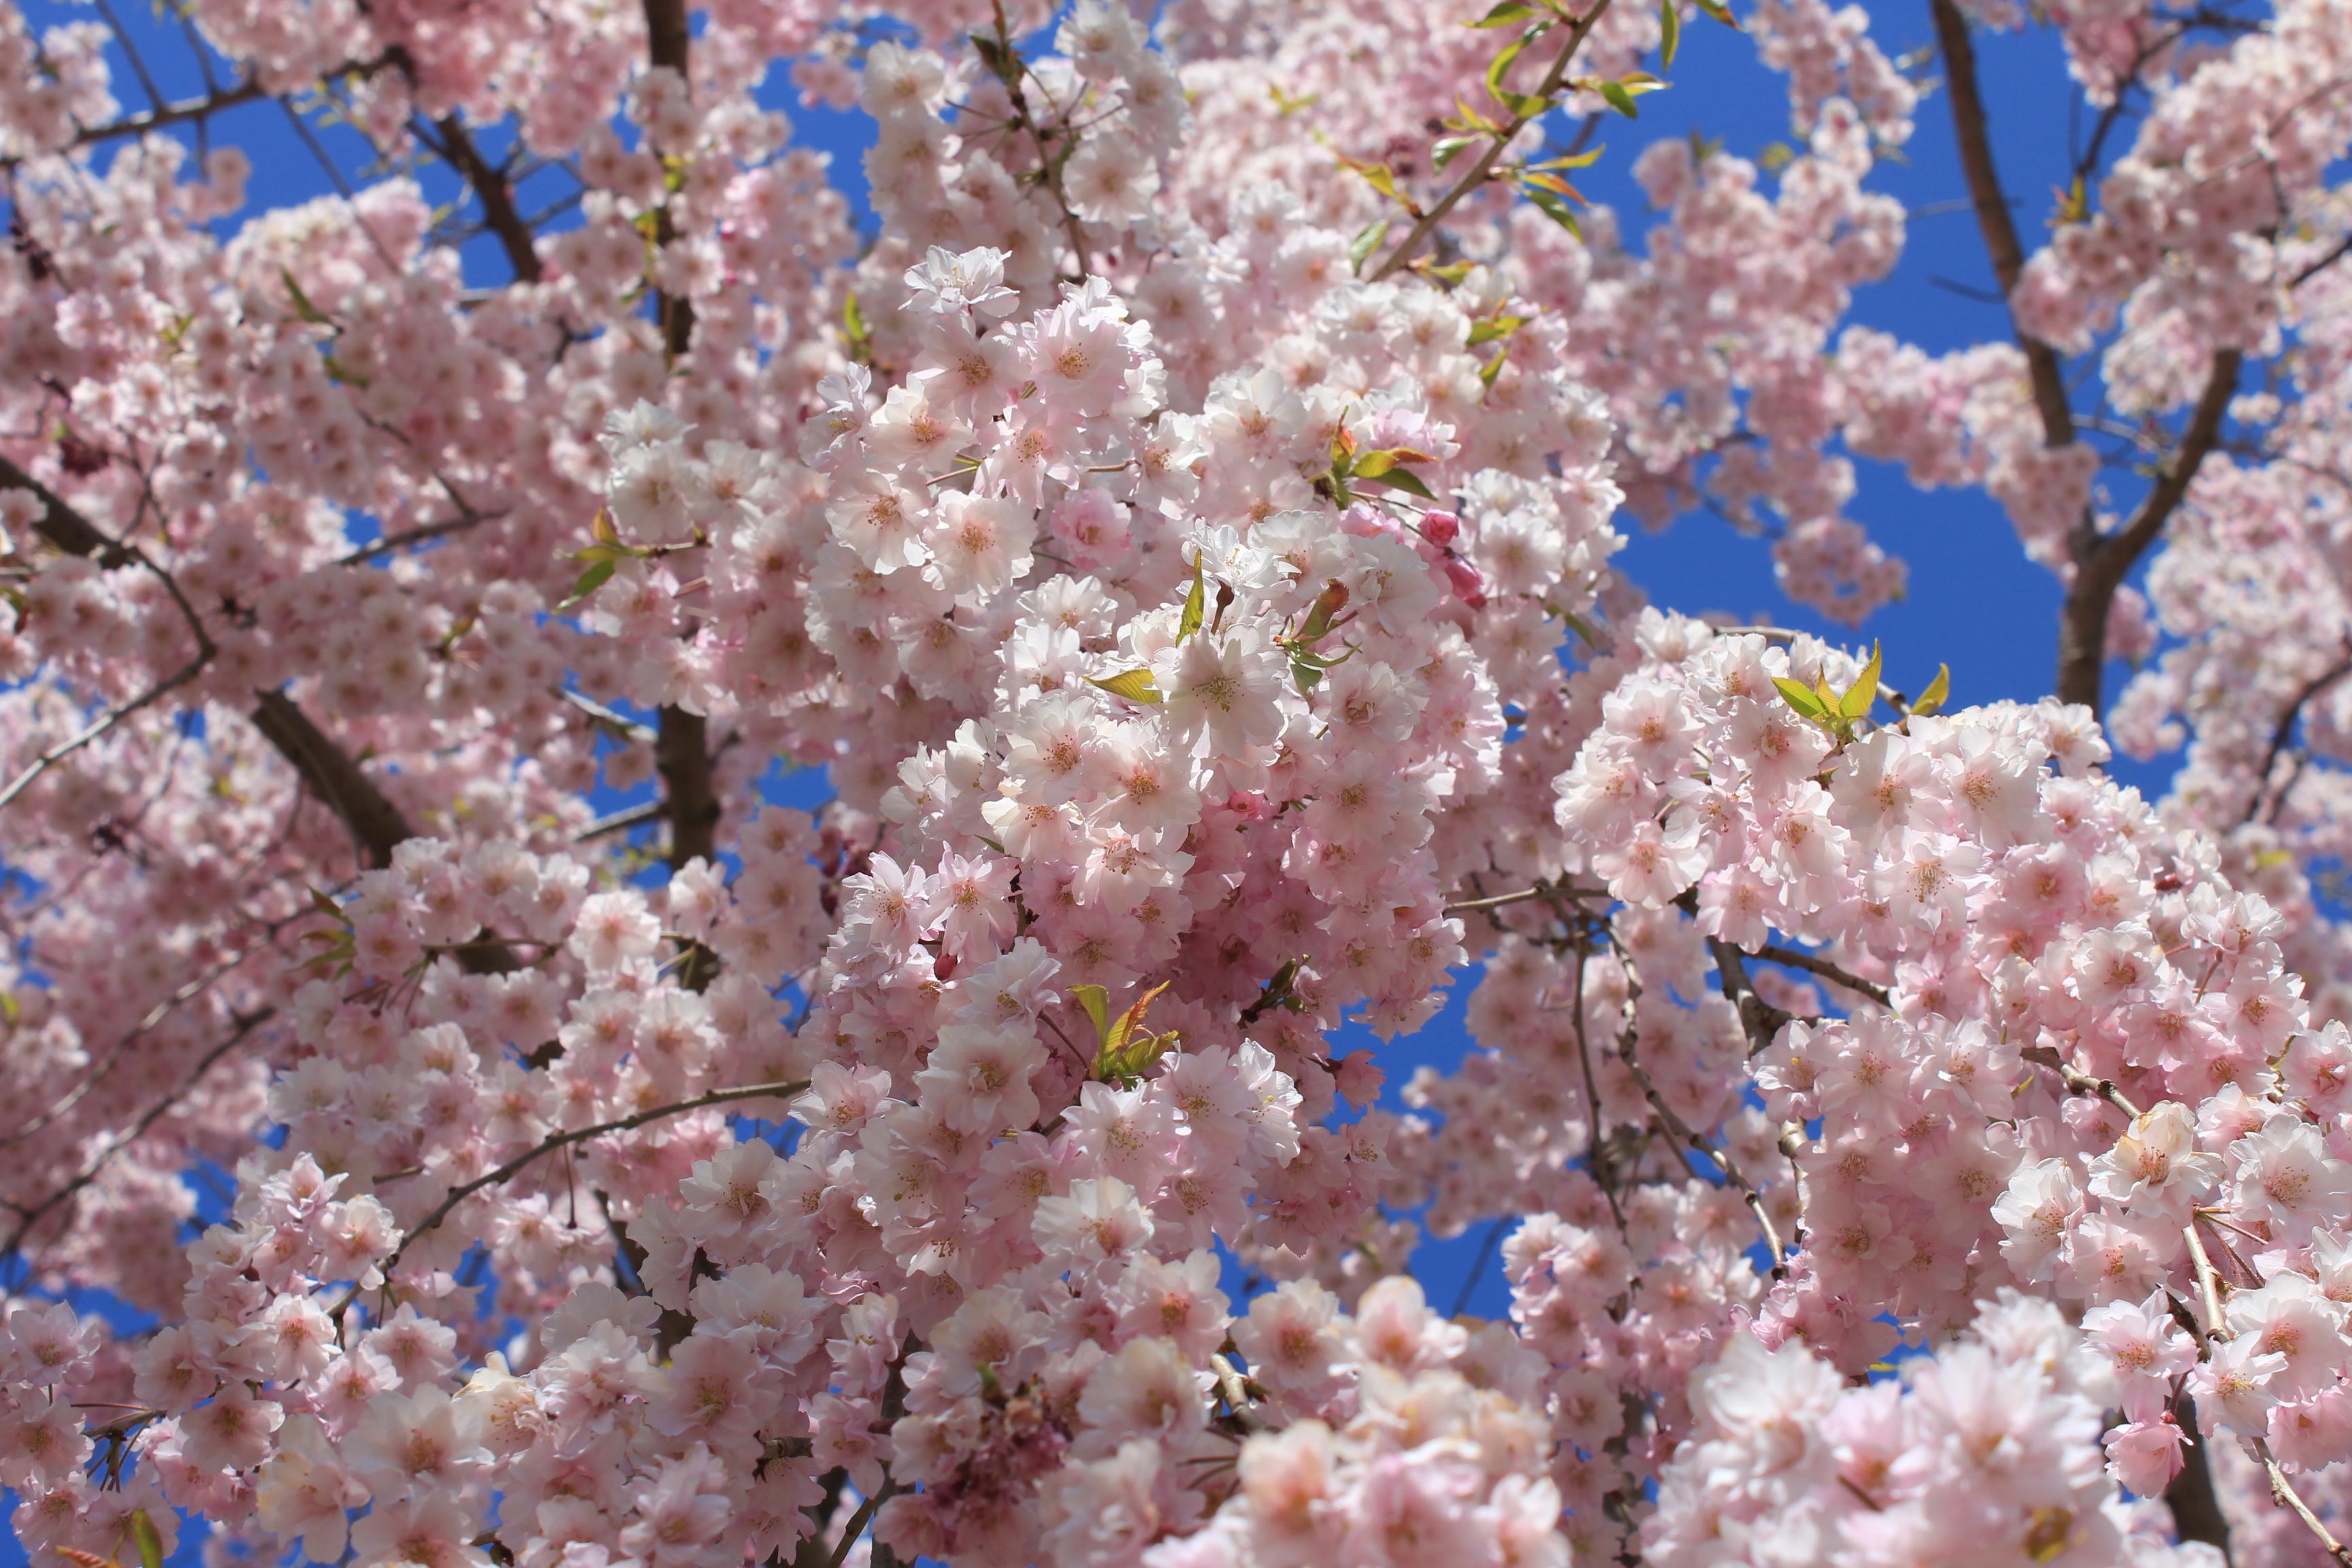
(1183, 532)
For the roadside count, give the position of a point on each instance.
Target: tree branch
(375, 823)
(1973, 132)
(2196, 1510)
(493, 190)
(2312, 269)
(2101, 565)
(2285, 730)
(61, 525)
(1604, 1170)
(1758, 1019)
(682, 748)
(178, 113)
(666, 44)
(682, 758)
(323, 766)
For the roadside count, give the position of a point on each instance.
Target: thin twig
(1797, 958)
(858, 1523)
(622, 821)
(1681, 1130)
(1476, 175)
(2216, 1329)
(417, 535)
(1525, 895)
(154, 1016)
(2335, 253)
(2284, 730)
(32, 1216)
(563, 1140)
(1049, 173)
(612, 719)
(1487, 1245)
(2077, 1081)
(103, 723)
(1604, 1172)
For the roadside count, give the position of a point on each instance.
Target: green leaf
(854, 328)
(1931, 701)
(999, 57)
(1488, 329)
(1128, 1052)
(1802, 698)
(151, 1543)
(1307, 667)
(1096, 1001)
(1557, 209)
(1618, 98)
(1367, 239)
(1195, 606)
(1406, 479)
(1502, 63)
(1859, 696)
(1670, 33)
(1381, 178)
(1505, 14)
(1135, 685)
(1493, 368)
(302, 306)
(1449, 148)
(1721, 13)
(1327, 604)
(598, 574)
(11, 1010)
(1131, 1020)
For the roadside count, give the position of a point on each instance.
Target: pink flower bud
(1468, 585)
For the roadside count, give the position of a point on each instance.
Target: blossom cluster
(1188, 546)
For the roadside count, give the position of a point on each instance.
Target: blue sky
(1975, 601)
